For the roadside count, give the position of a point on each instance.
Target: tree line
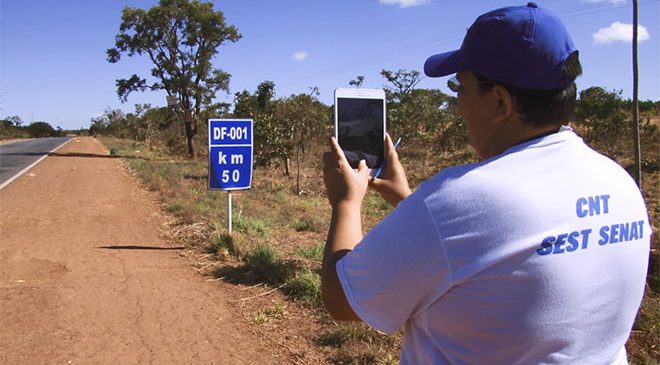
(13, 127)
(285, 127)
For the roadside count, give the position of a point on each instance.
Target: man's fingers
(388, 141)
(334, 147)
(335, 159)
(389, 148)
(329, 159)
(376, 182)
(362, 168)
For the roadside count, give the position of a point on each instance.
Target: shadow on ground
(135, 247)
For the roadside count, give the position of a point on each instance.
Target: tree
(302, 117)
(269, 139)
(180, 38)
(604, 119)
(359, 80)
(404, 81)
(10, 127)
(398, 98)
(14, 121)
(423, 116)
(117, 122)
(98, 125)
(40, 130)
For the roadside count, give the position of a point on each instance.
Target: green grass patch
(357, 343)
(222, 242)
(273, 311)
(374, 205)
(308, 223)
(178, 207)
(314, 253)
(251, 226)
(306, 286)
(264, 264)
(346, 332)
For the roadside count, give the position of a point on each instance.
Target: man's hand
(393, 183)
(346, 190)
(343, 185)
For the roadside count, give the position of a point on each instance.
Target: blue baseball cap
(523, 46)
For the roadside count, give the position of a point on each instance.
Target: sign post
(171, 101)
(230, 157)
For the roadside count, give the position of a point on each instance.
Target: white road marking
(11, 179)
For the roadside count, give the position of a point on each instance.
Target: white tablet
(360, 125)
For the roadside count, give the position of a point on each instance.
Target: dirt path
(86, 279)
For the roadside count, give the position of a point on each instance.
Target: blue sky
(53, 66)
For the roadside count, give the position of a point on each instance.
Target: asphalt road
(15, 157)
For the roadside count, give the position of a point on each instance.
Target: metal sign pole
(229, 211)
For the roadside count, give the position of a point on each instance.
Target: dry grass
(277, 245)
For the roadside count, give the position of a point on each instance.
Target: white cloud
(300, 55)
(620, 32)
(405, 3)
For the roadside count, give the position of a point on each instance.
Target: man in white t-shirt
(537, 254)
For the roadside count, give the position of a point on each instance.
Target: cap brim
(443, 64)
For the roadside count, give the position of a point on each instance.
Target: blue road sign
(230, 154)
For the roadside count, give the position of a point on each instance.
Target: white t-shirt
(536, 256)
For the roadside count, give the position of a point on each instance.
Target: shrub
(264, 264)
(306, 285)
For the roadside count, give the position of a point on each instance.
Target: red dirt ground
(86, 278)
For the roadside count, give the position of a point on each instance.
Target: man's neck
(518, 132)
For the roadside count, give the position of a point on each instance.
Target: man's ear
(504, 104)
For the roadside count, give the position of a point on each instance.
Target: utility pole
(637, 149)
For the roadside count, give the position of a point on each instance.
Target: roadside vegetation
(279, 225)
(13, 127)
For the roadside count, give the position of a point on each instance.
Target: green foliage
(314, 253)
(424, 116)
(268, 134)
(180, 38)
(357, 343)
(303, 119)
(281, 127)
(42, 129)
(177, 207)
(404, 81)
(306, 285)
(357, 82)
(154, 126)
(308, 223)
(112, 122)
(604, 118)
(11, 127)
(347, 332)
(253, 226)
(275, 310)
(13, 121)
(269, 142)
(264, 264)
(223, 241)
